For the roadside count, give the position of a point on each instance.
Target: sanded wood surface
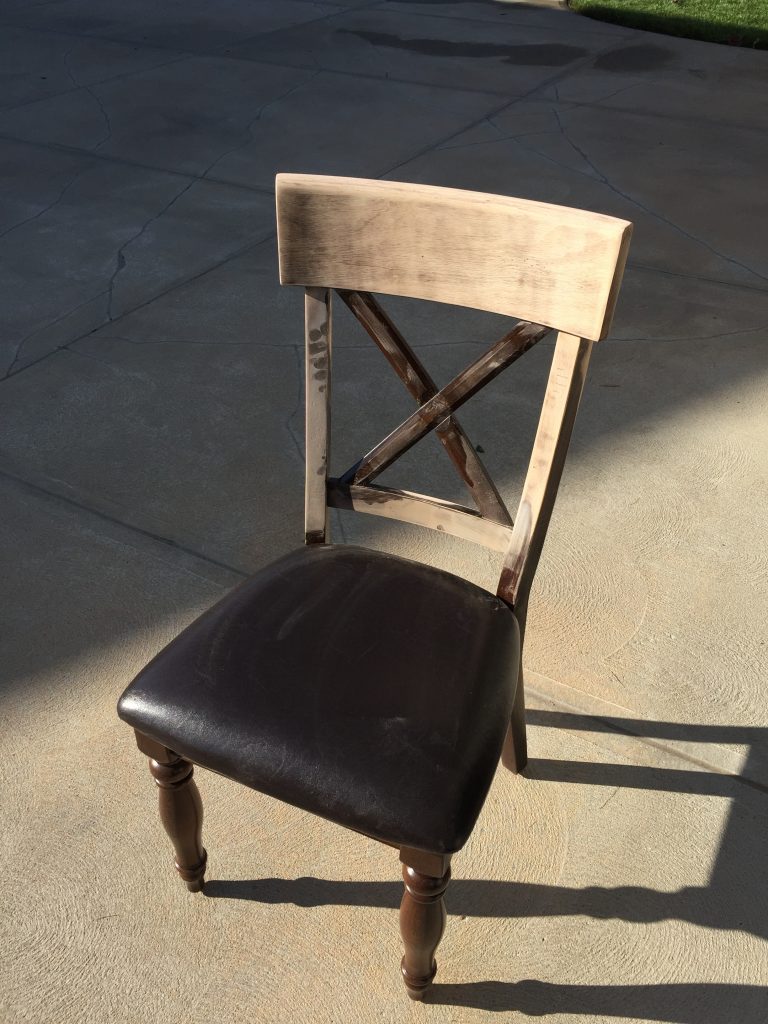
(420, 385)
(317, 351)
(550, 447)
(547, 264)
(464, 385)
(421, 510)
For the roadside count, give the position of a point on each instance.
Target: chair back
(550, 266)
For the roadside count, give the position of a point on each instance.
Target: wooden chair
(369, 689)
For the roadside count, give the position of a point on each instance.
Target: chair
(366, 688)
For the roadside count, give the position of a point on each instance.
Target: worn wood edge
(615, 286)
(329, 184)
(420, 510)
(317, 377)
(550, 448)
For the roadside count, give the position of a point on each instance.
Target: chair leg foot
(514, 754)
(181, 811)
(422, 917)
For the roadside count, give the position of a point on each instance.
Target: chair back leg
(181, 809)
(514, 754)
(422, 917)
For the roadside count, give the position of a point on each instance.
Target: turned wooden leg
(514, 754)
(422, 916)
(181, 809)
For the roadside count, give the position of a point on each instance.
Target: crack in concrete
(697, 337)
(121, 261)
(101, 81)
(696, 277)
(39, 330)
(50, 206)
(187, 341)
(250, 126)
(626, 642)
(92, 94)
(106, 517)
(648, 210)
(606, 802)
(110, 158)
(126, 312)
(598, 175)
(539, 87)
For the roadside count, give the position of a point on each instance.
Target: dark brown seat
(363, 687)
(323, 655)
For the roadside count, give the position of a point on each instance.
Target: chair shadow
(697, 1003)
(736, 898)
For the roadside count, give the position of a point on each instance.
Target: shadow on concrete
(736, 898)
(549, 55)
(675, 1004)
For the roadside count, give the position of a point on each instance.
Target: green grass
(738, 22)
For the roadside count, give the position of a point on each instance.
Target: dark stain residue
(634, 58)
(551, 55)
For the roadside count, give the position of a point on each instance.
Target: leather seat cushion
(361, 686)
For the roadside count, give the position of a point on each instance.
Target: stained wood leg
(181, 809)
(422, 917)
(514, 754)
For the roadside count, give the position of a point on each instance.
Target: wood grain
(412, 372)
(317, 351)
(543, 263)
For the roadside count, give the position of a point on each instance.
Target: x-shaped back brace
(436, 408)
(490, 526)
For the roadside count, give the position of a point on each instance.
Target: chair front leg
(181, 809)
(422, 916)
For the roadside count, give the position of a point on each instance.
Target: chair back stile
(559, 267)
(317, 374)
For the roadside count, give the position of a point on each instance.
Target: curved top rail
(548, 264)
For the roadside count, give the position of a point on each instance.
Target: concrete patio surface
(151, 456)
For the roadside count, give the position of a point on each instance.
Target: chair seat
(363, 687)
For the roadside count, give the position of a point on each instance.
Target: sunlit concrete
(151, 456)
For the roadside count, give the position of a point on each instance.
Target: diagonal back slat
(479, 373)
(414, 375)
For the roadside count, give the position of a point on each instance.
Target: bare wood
(422, 917)
(550, 447)
(317, 351)
(544, 263)
(479, 373)
(421, 386)
(420, 510)
(181, 809)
